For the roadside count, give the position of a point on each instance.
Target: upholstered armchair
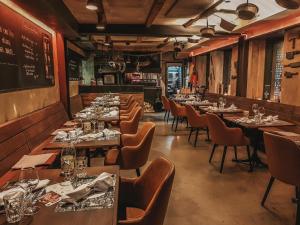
(166, 104)
(135, 151)
(222, 135)
(178, 112)
(131, 126)
(144, 200)
(196, 121)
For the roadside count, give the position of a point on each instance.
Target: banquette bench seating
(29, 134)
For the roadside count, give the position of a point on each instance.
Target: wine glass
(261, 111)
(68, 158)
(224, 102)
(255, 109)
(29, 180)
(94, 121)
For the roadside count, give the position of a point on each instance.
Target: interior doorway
(174, 77)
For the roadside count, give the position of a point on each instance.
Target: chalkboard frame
(46, 82)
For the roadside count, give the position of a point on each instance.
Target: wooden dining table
(221, 112)
(47, 215)
(92, 144)
(254, 131)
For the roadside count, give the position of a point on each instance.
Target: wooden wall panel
(256, 69)
(216, 71)
(201, 69)
(233, 71)
(290, 91)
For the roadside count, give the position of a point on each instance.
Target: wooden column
(242, 67)
(207, 70)
(62, 77)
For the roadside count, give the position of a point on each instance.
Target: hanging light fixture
(100, 25)
(92, 5)
(289, 4)
(247, 11)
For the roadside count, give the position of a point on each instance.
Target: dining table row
(265, 140)
(62, 185)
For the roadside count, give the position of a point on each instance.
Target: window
(273, 69)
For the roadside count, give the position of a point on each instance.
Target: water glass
(13, 204)
(29, 180)
(81, 165)
(68, 158)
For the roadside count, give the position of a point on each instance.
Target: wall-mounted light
(92, 5)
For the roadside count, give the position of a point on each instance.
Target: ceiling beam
(141, 30)
(154, 11)
(171, 7)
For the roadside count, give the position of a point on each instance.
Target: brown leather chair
(132, 105)
(135, 151)
(144, 200)
(129, 116)
(223, 135)
(178, 112)
(166, 104)
(197, 122)
(131, 126)
(128, 103)
(283, 161)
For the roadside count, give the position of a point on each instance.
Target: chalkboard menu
(26, 53)
(74, 65)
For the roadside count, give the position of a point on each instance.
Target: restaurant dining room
(150, 112)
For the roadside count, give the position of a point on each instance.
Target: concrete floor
(203, 196)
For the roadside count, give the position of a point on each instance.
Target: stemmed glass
(29, 180)
(255, 109)
(261, 112)
(224, 102)
(94, 121)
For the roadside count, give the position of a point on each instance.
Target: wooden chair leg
(173, 121)
(190, 134)
(249, 158)
(267, 190)
(235, 153)
(196, 137)
(212, 153)
(165, 115)
(168, 116)
(138, 172)
(223, 158)
(176, 123)
(207, 133)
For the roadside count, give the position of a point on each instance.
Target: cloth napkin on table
(41, 184)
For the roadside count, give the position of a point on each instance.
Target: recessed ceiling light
(92, 5)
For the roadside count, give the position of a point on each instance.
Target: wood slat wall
(23, 135)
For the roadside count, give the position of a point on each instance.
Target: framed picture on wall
(109, 79)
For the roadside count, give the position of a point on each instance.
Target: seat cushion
(133, 213)
(129, 213)
(111, 157)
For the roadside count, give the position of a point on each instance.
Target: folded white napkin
(41, 184)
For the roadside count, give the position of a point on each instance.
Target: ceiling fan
(245, 11)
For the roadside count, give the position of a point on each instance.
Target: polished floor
(203, 196)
